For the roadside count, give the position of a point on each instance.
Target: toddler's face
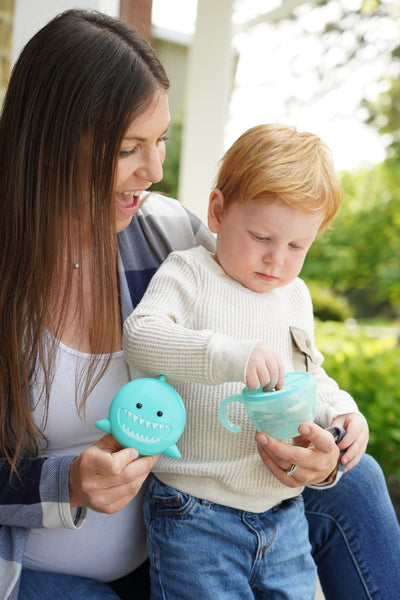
(263, 246)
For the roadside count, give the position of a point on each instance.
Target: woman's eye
(125, 153)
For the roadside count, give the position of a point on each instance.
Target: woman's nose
(152, 169)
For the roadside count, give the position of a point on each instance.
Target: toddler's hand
(356, 439)
(264, 368)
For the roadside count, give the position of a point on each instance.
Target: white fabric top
(198, 326)
(107, 546)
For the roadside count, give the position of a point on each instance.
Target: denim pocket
(169, 502)
(168, 513)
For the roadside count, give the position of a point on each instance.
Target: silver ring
(292, 470)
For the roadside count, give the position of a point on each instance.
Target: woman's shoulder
(165, 209)
(159, 206)
(168, 221)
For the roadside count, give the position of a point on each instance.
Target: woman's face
(141, 157)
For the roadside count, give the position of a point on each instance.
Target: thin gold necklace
(78, 264)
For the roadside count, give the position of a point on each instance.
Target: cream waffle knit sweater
(197, 326)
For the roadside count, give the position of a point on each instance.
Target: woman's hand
(314, 452)
(356, 439)
(105, 477)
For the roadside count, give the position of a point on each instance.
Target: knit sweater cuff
(230, 358)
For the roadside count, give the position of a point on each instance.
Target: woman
(81, 137)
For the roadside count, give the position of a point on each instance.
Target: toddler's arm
(163, 335)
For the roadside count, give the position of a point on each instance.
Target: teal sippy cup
(277, 412)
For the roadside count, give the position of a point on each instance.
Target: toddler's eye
(260, 238)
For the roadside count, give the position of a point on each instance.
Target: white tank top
(107, 546)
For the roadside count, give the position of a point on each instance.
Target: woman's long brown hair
(79, 81)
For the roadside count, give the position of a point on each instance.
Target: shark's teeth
(138, 436)
(139, 426)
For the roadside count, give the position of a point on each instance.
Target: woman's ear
(215, 210)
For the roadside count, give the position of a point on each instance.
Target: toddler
(220, 525)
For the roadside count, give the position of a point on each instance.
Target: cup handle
(227, 423)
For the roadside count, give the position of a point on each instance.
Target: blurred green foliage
(383, 113)
(368, 368)
(169, 183)
(359, 256)
(328, 306)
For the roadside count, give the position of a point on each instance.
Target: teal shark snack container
(278, 412)
(146, 414)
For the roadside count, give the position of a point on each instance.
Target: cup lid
(294, 382)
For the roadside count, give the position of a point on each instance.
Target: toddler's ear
(215, 210)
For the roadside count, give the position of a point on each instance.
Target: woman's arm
(39, 496)
(55, 492)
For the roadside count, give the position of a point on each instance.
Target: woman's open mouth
(127, 202)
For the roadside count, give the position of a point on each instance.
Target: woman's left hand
(314, 452)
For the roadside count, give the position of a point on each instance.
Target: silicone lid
(294, 382)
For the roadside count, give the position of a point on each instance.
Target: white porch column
(32, 15)
(209, 81)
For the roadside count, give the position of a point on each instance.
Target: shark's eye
(139, 405)
(160, 413)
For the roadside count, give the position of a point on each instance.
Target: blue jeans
(198, 549)
(49, 586)
(355, 536)
(38, 585)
